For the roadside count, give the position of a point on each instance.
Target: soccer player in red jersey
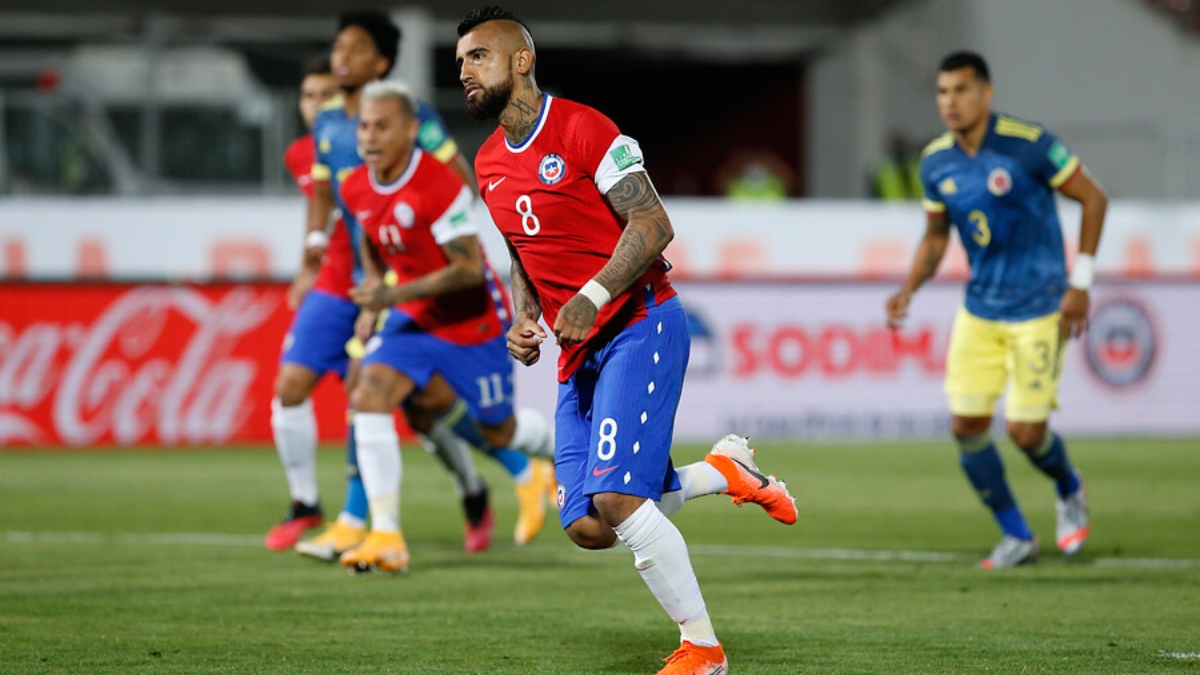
(295, 433)
(447, 315)
(318, 86)
(320, 338)
(586, 230)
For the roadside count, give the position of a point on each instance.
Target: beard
(493, 101)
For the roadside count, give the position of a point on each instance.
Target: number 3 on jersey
(529, 222)
(982, 234)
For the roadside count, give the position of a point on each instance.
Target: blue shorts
(616, 415)
(480, 374)
(319, 332)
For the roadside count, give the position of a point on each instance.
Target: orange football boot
(734, 458)
(692, 659)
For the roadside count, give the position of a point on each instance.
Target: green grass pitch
(151, 562)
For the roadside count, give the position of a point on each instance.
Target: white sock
(695, 480)
(534, 436)
(455, 454)
(660, 555)
(295, 431)
(380, 467)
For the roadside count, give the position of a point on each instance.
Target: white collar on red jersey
(399, 182)
(547, 99)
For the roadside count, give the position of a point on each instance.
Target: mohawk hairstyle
(317, 65)
(481, 15)
(383, 32)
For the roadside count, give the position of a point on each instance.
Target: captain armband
(1084, 272)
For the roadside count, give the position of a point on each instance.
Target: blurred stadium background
(143, 144)
(148, 230)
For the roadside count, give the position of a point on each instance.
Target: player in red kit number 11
(448, 315)
(586, 230)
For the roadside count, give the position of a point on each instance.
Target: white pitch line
(136, 539)
(874, 555)
(1147, 563)
(832, 553)
(1182, 656)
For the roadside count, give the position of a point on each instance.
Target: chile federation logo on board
(552, 169)
(1120, 343)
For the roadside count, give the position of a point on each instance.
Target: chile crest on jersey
(406, 217)
(551, 169)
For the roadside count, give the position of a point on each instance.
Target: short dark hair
(481, 15)
(317, 65)
(960, 60)
(384, 33)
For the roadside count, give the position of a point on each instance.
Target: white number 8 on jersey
(529, 222)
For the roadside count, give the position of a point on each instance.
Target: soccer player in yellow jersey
(993, 178)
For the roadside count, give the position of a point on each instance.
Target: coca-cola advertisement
(126, 364)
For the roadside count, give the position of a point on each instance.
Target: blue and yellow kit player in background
(993, 177)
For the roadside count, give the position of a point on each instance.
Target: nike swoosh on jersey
(600, 472)
(754, 473)
(493, 184)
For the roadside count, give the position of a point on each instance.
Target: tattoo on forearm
(524, 296)
(647, 232)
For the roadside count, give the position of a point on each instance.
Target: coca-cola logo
(156, 364)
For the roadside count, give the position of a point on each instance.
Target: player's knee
(499, 435)
(614, 508)
(966, 427)
(591, 533)
(1027, 435)
(370, 395)
(293, 385)
(435, 398)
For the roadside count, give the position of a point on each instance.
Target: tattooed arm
(929, 255)
(464, 270)
(526, 334)
(524, 296)
(647, 232)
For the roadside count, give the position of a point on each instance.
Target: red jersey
(335, 275)
(298, 158)
(408, 221)
(546, 196)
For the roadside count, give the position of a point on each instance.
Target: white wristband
(1084, 272)
(316, 239)
(598, 294)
